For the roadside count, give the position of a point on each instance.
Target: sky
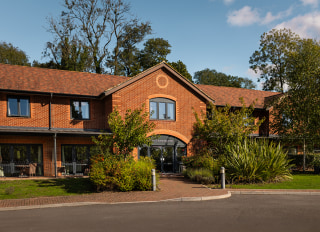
(214, 34)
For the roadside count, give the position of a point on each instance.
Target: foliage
(128, 132)
(316, 160)
(109, 172)
(296, 113)
(212, 77)
(155, 51)
(180, 67)
(67, 51)
(102, 27)
(12, 55)
(297, 161)
(125, 57)
(270, 61)
(201, 161)
(222, 126)
(256, 161)
(200, 175)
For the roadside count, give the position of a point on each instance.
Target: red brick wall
(60, 117)
(162, 84)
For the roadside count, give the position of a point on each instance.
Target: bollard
(154, 184)
(223, 178)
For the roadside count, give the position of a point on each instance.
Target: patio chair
(32, 169)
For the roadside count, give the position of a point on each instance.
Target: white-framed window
(162, 109)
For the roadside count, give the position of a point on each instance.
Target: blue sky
(214, 34)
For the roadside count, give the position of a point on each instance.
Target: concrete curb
(245, 192)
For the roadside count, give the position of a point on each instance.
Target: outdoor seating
(31, 170)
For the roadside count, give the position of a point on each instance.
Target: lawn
(299, 181)
(16, 189)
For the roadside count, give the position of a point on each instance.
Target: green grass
(17, 189)
(299, 181)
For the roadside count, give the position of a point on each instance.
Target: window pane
(20, 154)
(85, 110)
(35, 154)
(143, 152)
(75, 109)
(153, 110)
(162, 110)
(5, 154)
(170, 113)
(24, 107)
(66, 154)
(12, 106)
(81, 154)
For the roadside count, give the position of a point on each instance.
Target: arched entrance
(167, 151)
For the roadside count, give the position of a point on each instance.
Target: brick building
(48, 117)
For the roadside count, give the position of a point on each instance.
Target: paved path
(171, 188)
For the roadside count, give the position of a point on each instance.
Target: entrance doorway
(167, 151)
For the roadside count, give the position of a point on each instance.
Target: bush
(257, 161)
(200, 175)
(297, 161)
(201, 162)
(111, 173)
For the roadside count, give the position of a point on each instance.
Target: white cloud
(244, 17)
(269, 18)
(313, 3)
(228, 2)
(248, 16)
(305, 25)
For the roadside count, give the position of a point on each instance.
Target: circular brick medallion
(162, 82)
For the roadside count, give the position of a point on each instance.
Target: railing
(20, 169)
(75, 168)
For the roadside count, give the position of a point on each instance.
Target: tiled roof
(22, 78)
(230, 95)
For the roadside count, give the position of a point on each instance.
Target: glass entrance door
(167, 152)
(164, 157)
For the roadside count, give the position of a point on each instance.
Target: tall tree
(124, 60)
(155, 51)
(296, 114)
(182, 69)
(100, 25)
(67, 51)
(270, 61)
(212, 77)
(12, 55)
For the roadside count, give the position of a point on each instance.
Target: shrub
(200, 175)
(256, 161)
(112, 173)
(201, 162)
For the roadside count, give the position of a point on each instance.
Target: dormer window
(162, 109)
(18, 106)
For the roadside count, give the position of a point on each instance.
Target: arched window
(162, 109)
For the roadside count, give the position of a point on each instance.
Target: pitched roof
(41, 80)
(162, 65)
(229, 95)
(23, 78)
